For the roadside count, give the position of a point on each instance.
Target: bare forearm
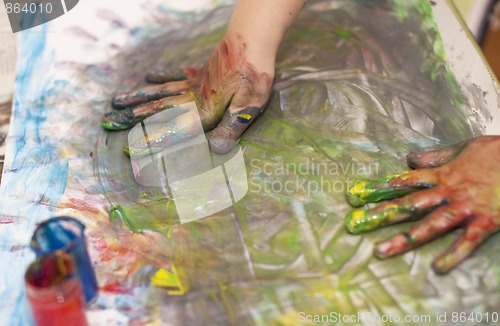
(259, 26)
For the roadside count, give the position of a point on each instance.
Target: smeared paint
(35, 157)
(174, 281)
(373, 190)
(244, 118)
(343, 33)
(360, 220)
(369, 112)
(79, 205)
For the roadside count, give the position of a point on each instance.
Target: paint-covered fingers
(475, 233)
(149, 93)
(395, 211)
(225, 136)
(156, 142)
(374, 190)
(437, 223)
(163, 75)
(435, 158)
(119, 120)
(126, 119)
(163, 131)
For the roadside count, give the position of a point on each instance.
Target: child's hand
(229, 92)
(455, 187)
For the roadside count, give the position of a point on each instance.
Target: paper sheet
(8, 54)
(271, 257)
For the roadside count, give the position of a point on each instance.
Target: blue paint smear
(40, 181)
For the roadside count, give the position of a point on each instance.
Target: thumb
(233, 124)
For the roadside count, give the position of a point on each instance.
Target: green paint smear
(372, 191)
(361, 220)
(375, 190)
(343, 33)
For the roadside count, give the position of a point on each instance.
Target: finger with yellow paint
(374, 190)
(465, 193)
(407, 208)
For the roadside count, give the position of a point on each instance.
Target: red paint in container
(54, 291)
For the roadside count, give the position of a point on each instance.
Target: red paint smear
(79, 205)
(191, 72)
(16, 248)
(108, 252)
(115, 288)
(100, 244)
(103, 249)
(7, 219)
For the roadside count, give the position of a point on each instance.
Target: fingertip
(117, 103)
(227, 133)
(382, 249)
(441, 267)
(350, 225)
(434, 158)
(357, 221)
(110, 125)
(220, 145)
(424, 160)
(450, 259)
(413, 159)
(355, 196)
(126, 151)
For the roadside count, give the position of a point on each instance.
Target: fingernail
(220, 145)
(383, 249)
(413, 158)
(444, 264)
(356, 195)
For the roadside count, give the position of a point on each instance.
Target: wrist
(256, 52)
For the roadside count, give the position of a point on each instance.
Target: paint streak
(359, 220)
(115, 288)
(244, 118)
(79, 205)
(7, 219)
(374, 190)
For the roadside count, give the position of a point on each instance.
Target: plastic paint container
(67, 234)
(54, 291)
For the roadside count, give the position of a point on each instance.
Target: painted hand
(455, 187)
(229, 92)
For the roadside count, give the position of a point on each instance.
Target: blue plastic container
(67, 234)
